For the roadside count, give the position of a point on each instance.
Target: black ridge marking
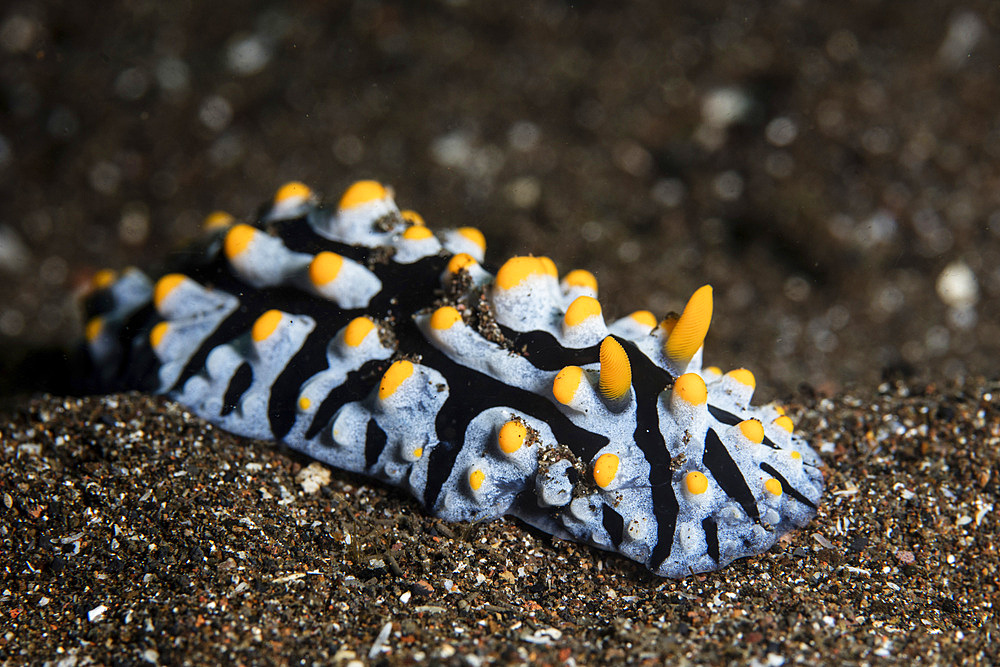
(357, 385)
(420, 280)
(238, 385)
(723, 416)
(472, 392)
(711, 537)
(649, 380)
(375, 439)
(789, 489)
(308, 361)
(545, 353)
(99, 303)
(730, 419)
(728, 475)
(614, 523)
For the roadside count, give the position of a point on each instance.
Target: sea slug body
(361, 337)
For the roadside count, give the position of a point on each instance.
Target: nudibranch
(365, 339)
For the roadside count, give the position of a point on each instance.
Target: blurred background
(832, 169)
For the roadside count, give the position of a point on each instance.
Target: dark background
(821, 164)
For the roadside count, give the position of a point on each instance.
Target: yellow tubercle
(696, 483)
(753, 430)
(785, 423)
(292, 190)
(581, 308)
(217, 220)
(93, 329)
(517, 269)
(566, 383)
(417, 233)
(688, 335)
(605, 469)
(512, 435)
(715, 370)
(773, 487)
(476, 479)
(460, 261)
(266, 325)
(474, 235)
(238, 238)
(361, 193)
(325, 267)
(417, 453)
(549, 266)
(780, 410)
(412, 217)
(743, 376)
(795, 455)
(103, 279)
(394, 376)
(356, 331)
(691, 388)
(581, 278)
(157, 333)
(166, 285)
(304, 404)
(616, 371)
(645, 318)
(445, 317)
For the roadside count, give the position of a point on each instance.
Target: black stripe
(711, 537)
(375, 439)
(545, 353)
(238, 385)
(786, 485)
(308, 361)
(723, 416)
(732, 420)
(355, 387)
(728, 475)
(470, 393)
(614, 523)
(649, 380)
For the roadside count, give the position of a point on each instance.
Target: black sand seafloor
(832, 169)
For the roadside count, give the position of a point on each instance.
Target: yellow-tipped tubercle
(581, 278)
(362, 192)
(238, 238)
(696, 483)
(691, 388)
(325, 267)
(292, 190)
(566, 383)
(445, 317)
(166, 285)
(517, 269)
(512, 436)
(605, 469)
(357, 330)
(753, 430)
(394, 376)
(616, 372)
(688, 335)
(581, 308)
(459, 261)
(266, 325)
